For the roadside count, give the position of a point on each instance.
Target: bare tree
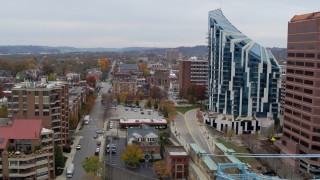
(251, 141)
(268, 131)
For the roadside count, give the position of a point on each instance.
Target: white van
(86, 119)
(70, 170)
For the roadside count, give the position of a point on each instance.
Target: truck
(86, 119)
(70, 170)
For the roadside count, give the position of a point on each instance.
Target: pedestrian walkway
(70, 155)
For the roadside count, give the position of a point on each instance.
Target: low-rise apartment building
(26, 150)
(125, 86)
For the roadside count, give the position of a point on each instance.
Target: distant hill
(280, 54)
(186, 51)
(201, 50)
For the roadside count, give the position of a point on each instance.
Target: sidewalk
(70, 155)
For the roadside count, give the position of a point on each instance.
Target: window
(299, 63)
(305, 108)
(14, 92)
(291, 55)
(290, 62)
(305, 134)
(308, 82)
(290, 71)
(309, 91)
(314, 147)
(308, 100)
(298, 80)
(316, 138)
(309, 55)
(36, 93)
(304, 143)
(299, 72)
(298, 97)
(309, 64)
(308, 73)
(45, 113)
(45, 93)
(290, 79)
(308, 118)
(24, 92)
(36, 113)
(300, 55)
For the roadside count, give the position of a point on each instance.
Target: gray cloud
(154, 23)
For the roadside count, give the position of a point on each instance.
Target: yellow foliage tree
(103, 63)
(161, 168)
(123, 96)
(132, 154)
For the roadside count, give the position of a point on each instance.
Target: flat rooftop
(176, 151)
(143, 121)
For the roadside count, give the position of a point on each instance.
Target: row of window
(298, 80)
(303, 55)
(301, 63)
(36, 93)
(300, 98)
(297, 114)
(305, 144)
(297, 131)
(296, 105)
(296, 122)
(300, 89)
(300, 72)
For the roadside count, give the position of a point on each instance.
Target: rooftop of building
(127, 67)
(141, 131)
(304, 17)
(194, 59)
(176, 151)
(43, 84)
(142, 121)
(75, 90)
(26, 129)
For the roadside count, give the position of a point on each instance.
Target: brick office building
(301, 132)
(178, 160)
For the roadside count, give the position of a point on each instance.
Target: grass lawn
(183, 110)
(239, 149)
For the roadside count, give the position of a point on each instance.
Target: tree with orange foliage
(91, 81)
(103, 63)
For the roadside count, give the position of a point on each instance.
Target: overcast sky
(142, 23)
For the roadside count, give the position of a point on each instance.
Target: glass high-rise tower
(244, 77)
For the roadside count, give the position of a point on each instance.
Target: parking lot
(119, 137)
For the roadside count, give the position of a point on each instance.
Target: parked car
(269, 173)
(142, 112)
(79, 147)
(97, 151)
(95, 136)
(98, 143)
(99, 131)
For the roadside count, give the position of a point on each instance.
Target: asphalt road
(88, 142)
(181, 128)
(194, 130)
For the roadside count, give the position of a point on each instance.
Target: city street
(195, 131)
(181, 128)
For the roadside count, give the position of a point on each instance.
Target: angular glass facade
(244, 77)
